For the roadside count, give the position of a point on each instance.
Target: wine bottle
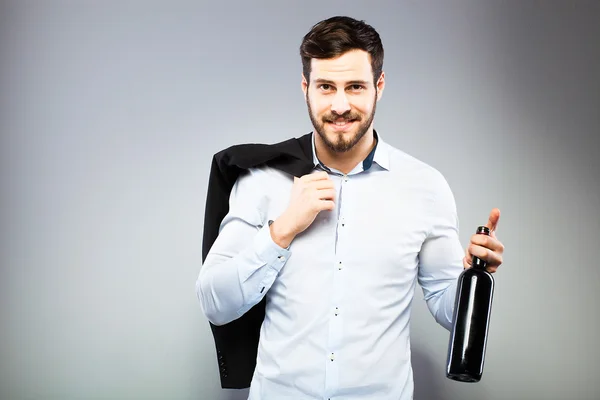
(471, 318)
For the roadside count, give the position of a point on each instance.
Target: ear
(304, 85)
(380, 85)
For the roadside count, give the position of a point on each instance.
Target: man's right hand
(310, 195)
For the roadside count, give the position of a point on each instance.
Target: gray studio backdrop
(111, 111)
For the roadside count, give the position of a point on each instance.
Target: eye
(325, 87)
(357, 87)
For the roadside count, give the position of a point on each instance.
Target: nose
(340, 103)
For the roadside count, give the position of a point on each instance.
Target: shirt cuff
(268, 251)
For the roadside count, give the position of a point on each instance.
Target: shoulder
(404, 164)
(430, 184)
(259, 190)
(262, 174)
(260, 181)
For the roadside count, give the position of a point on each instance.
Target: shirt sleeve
(440, 259)
(244, 260)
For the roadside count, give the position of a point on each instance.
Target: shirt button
(332, 357)
(340, 266)
(337, 311)
(280, 257)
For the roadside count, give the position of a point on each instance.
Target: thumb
(493, 219)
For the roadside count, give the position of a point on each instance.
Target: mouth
(341, 124)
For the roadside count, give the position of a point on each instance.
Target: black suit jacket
(237, 341)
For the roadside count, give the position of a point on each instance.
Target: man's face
(341, 99)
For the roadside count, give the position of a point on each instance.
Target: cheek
(362, 106)
(319, 106)
(361, 110)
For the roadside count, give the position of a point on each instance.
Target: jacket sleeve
(440, 259)
(243, 262)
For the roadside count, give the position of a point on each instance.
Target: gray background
(111, 111)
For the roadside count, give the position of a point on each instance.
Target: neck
(347, 161)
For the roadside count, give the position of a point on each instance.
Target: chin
(340, 144)
(333, 134)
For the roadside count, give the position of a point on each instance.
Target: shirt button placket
(336, 322)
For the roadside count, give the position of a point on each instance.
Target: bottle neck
(478, 263)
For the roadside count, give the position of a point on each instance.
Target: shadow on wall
(236, 394)
(426, 375)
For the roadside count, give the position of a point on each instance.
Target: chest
(378, 226)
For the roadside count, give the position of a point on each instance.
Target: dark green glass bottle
(471, 318)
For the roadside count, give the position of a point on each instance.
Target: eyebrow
(328, 82)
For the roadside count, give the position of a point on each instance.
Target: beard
(340, 144)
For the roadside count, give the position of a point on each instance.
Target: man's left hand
(488, 248)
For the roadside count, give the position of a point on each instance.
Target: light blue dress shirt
(339, 298)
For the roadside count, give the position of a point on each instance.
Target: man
(336, 253)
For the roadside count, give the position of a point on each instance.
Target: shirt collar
(379, 154)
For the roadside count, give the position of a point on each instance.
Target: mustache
(347, 116)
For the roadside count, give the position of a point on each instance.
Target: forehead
(351, 66)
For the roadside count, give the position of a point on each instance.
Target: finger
(493, 219)
(491, 257)
(489, 242)
(326, 194)
(467, 259)
(322, 184)
(466, 263)
(315, 176)
(326, 205)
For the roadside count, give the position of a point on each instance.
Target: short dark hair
(335, 36)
